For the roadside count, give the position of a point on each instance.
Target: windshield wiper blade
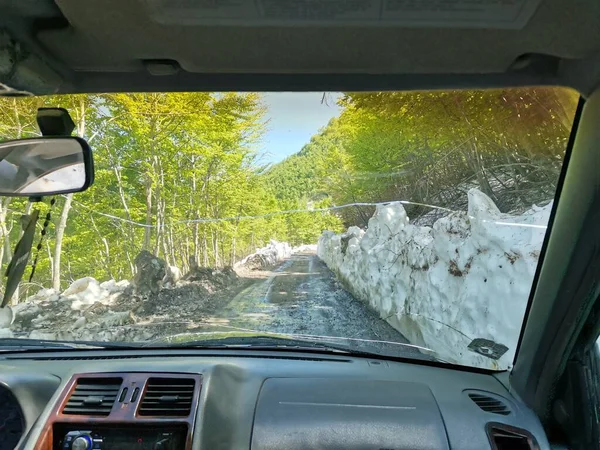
(262, 342)
(18, 344)
(253, 342)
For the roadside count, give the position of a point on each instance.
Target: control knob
(83, 442)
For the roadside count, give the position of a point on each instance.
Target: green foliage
(176, 174)
(431, 147)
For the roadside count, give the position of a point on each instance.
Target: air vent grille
(171, 397)
(490, 404)
(509, 438)
(93, 397)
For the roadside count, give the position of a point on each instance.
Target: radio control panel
(117, 438)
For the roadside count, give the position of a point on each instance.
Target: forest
(179, 174)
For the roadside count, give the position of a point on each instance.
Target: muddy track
(300, 296)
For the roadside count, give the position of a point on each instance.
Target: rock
(79, 323)
(43, 335)
(25, 308)
(96, 309)
(150, 272)
(212, 279)
(115, 319)
(24, 314)
(172, 276)
(38, 319)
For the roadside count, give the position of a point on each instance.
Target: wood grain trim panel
(124, 413)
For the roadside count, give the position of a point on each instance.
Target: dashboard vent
(504, 437)
(490, 404)
(171, 397)
(93, 397)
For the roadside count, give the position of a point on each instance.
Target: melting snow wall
(467, 277)
(267, 256)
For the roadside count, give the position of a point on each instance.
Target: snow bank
(467, 277)
(114, 311)
(81, 293)
(266, 256)
(87, 291)
(48, 314)
(306, 248)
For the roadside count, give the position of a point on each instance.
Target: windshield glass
(396, 223)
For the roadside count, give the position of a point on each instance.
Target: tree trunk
(60, 232)
(172, 247)
(232, 251)
(204, 249)
(148, 229)
(159, 226)
(64, 216)
(4, 236)
(160, 207)
(197, 238)
(50, 256)
(130, 231)
(215, 238)
(107, 265)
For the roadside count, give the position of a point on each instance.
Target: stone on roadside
(43, 335)
(112, 319)
(150, 273)
(79, 323)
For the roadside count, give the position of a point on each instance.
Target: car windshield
(405, 224)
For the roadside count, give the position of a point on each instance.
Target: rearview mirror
(45, 166)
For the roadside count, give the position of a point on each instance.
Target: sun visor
(488, 14)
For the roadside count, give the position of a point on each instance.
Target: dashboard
(258, 400)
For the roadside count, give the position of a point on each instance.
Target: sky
(293, 118)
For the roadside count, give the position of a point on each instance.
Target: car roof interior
(64, 46)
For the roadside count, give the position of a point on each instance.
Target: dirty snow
(119, 311)
(84, 307)
(266, 256)
(306, 248)
(115, 311)
(468, 276)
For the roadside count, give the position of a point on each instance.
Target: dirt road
(301, 296)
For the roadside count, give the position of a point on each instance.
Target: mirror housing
(43, 166)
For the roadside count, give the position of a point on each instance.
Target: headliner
(62, 46)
